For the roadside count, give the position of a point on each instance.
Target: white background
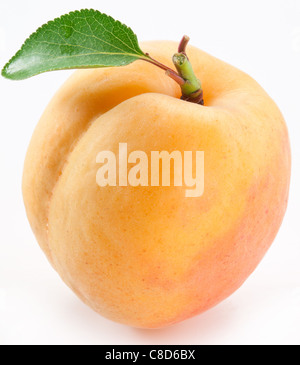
(259, 37)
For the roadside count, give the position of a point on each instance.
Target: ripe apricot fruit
(149, 256)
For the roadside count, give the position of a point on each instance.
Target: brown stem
(182, 45)
(154, 62)
(171, 73)
(175, 77)
(196, 97)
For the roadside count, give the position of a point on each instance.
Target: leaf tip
(4, 71)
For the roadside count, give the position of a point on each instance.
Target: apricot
(149, 256)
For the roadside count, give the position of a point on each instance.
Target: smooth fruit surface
(148, 256)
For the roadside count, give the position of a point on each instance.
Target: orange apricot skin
(148, 256)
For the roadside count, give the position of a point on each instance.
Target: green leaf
(80, 39)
